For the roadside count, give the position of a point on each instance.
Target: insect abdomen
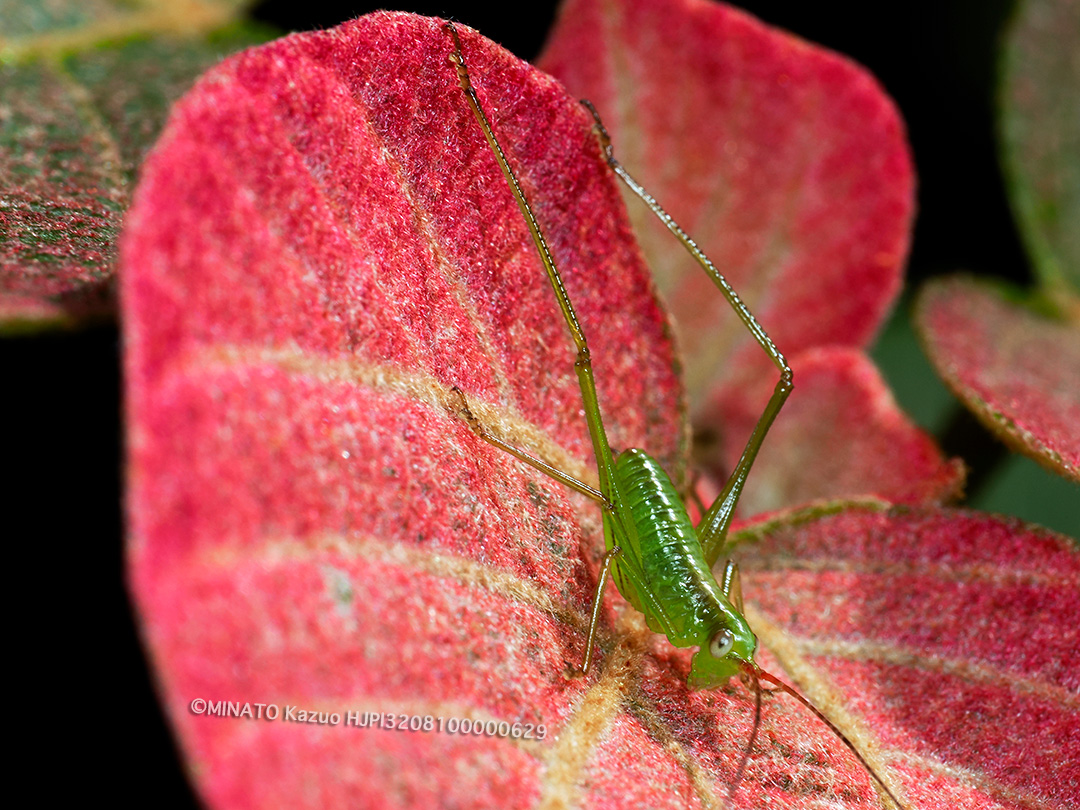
(667, 545)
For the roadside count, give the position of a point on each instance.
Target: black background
(85, 705)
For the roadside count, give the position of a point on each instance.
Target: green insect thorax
(663, 573)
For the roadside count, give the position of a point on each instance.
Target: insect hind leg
(583, 364)
(478, 428)
(713, 527)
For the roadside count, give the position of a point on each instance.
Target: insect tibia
(598, 601)
(477, 427)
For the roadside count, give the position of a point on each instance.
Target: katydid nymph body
(660, 561)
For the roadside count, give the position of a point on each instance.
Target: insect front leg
(713, 527)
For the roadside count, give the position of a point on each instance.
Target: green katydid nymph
(660, 561)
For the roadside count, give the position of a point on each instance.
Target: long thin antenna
(760, 673)
(753, 673)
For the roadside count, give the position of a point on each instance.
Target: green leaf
(84, 91)
(1040, 136)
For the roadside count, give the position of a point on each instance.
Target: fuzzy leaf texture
(1018, 371)
(321, 245)
(84, 90)
(953, 634)
(1016, 365)
(788, 164)
(841, 432)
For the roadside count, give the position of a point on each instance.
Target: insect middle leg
(713, 527)
(580, 486)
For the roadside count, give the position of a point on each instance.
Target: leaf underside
(1017, 371)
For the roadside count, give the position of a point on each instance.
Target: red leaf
(1018, 372)
(953, 634)
(785, 161)
(320, 246)
(841, 435)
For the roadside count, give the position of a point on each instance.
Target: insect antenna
(752, 672)
(760, 673)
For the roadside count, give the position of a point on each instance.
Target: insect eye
(721, 644)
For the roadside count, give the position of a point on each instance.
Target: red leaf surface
(841, 434)
(953, 635)
(1017, 371)
(321, 245)
(786, 162)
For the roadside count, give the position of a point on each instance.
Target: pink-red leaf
(1017, 371)
(786, 162)
(841, 435)
(321, 246)
(952, 635)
